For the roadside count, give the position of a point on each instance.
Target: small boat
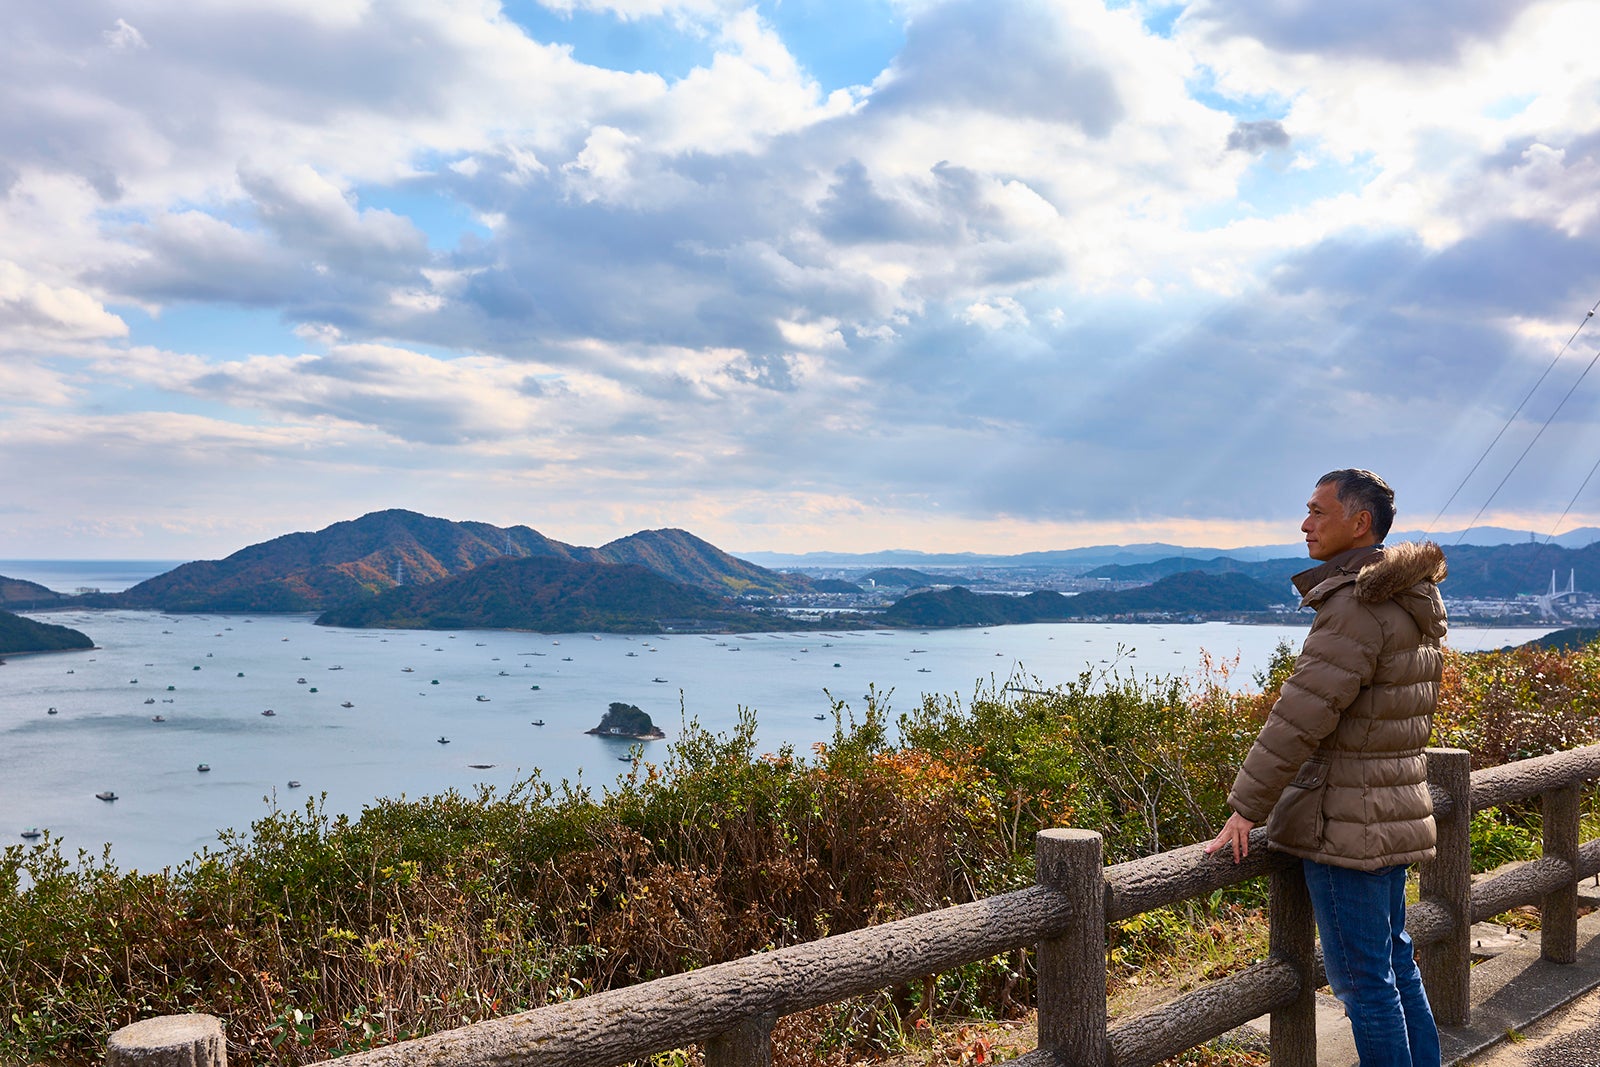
(293, 784)
(480, 766)
(625, 759)
(203, 768)
(483, 699)
(347, 704)
(634, 654)
(503, 674)
(239, 675)
(299, 681)
(336, 667)
(658, 679)
(149, 700)
(443, 740)
(434, 682)
(195, 667)
(313, 689)
(305, 659)
(533, 687)
(566, 659)
(170, 688)
(819, 718)
(537, 722)
(51, 711)
(269, 713)
(158, 718)
(108, 795)
(407, 670)
(166, 700)
(31, 833)
(923, 670)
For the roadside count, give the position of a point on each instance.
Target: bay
(210, 678)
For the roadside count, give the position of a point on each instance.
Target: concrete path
(1525, 1012)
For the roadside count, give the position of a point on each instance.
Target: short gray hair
(1361, 490)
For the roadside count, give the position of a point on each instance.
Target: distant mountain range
(1476, 571)
(1104, 555)
(401, 569)
(1188, 593)
(355, 560)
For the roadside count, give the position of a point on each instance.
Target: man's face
(1329, 531)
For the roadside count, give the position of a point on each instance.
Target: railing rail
(730, 1008)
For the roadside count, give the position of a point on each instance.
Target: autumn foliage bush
(314, 934)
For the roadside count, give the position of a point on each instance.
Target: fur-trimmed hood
(1400, 566)
(1407, 572)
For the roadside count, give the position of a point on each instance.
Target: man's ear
(1363, 522)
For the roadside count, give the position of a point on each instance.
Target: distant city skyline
(842, 275)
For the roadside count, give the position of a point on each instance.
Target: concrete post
(1558, 909)
(1292, 934)
(747, 1045)
(169, 1041)
(1072, 967)
(1446, 965)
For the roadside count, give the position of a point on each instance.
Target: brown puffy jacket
(1338, 773)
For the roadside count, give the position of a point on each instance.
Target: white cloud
(124, 38)
(32, 310)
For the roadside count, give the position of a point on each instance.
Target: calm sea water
(425, 707)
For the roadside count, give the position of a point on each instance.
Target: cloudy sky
(795, 274)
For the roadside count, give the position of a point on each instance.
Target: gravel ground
(1569, 1037)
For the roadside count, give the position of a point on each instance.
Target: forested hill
(24, 635)
(19, 594)
(685, 558)
(313, 571)
(1272, 572)
(550, 595)
(1192, 592)
(1501, 571)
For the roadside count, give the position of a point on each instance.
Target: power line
(1531, 443)
(1512, 418)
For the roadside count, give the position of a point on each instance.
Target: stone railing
(729, 1009)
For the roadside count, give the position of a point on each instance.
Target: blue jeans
(1361, 918)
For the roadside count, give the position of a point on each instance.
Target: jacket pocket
(1297, 820)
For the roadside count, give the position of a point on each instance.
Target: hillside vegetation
(313, 935)
(1187, 593)
(352, 561)
(18, 635)
(345, 561)
(18, 594)
(549, 595)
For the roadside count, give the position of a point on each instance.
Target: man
(1338, 773)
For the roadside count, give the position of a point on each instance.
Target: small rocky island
(626, 720)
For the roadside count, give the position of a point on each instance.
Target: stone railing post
(1072, 967)
(1558, 909)
(1446, 880)
(169, 1041)
(1292, 934)
(747, 1045)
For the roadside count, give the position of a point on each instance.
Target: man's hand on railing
(1235, 832)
